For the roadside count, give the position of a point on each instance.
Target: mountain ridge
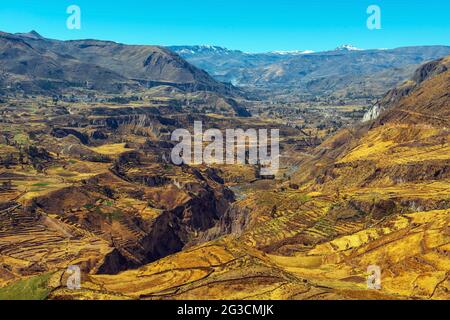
(341, 73)
(35, 63)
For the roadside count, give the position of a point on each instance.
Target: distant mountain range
(347, 47)
(345, 72)
(32, 63)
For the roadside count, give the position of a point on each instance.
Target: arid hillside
(32, 63)
(376, 195)
(90, 184)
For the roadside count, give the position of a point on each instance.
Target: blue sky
(248, 25)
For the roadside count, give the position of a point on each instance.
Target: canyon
(87, 179)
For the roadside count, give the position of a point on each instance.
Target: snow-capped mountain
(201, 50)
(209, 49)
(369, 73)
(294, 53)
(348, 47)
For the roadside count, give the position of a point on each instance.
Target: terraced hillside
(383, 193)
(91, 183)
(142, 228)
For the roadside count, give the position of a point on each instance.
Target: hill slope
(378, 195)
(31, 62)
